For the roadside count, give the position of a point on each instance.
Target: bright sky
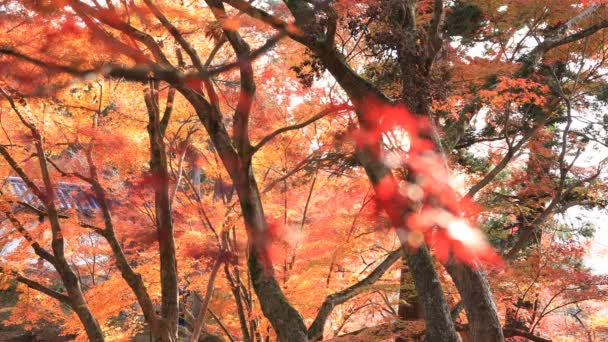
(597, 257)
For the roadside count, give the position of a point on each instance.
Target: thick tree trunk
(471, 284)
(168, 277)
(439, 323)
(408, 308)
(286, 321)
(484, 324)
(91, 326)
(320, 41)
(358, 88)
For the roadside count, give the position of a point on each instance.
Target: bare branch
(509, 332)
(200, 315)
(560, 38)
(39, 250)
(37, 286)
(315, 331)
(109, 18)
(291, 30)
(13, 163)
(141, 72)
(196, 60)
(316, 117)
(70, 174)
(222, 326)
(505, 160)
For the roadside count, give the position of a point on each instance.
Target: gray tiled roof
(67, 195)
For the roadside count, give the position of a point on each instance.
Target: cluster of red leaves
(424, 206)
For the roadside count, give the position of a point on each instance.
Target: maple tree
(209, 140)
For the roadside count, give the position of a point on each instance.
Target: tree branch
(560, 38)
(164, 121)
(315, 331)
(222, 326)
(510, 332)
(70, 174)
(109, 18)
(37, 286)
(293, 31)
(39, 250)
(247, 81)
(200, 315)
(196, 60)
(505, 161)
(316, 117)
(141, 72)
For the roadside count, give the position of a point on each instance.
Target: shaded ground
(40, 336)
(13, 333)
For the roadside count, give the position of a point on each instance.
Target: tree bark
(358, 88)
(132, 278)
(236, 153)
(79, 305)
(286, 321)
(407, 310)
(427, 283)
(439, 325)
(200, 315)
(70, 281)
(478, 301)
(72, 285)
(163, 215)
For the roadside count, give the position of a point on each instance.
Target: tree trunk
(286, 321)
(162, 210)
(79, 304)
(72, 285)
(132, 278)
(484, 324)
(358, 88)
(136, 283)
(409, 307)
(439, 323)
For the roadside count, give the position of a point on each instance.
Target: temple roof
(67, 195)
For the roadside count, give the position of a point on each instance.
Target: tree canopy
(303, 170)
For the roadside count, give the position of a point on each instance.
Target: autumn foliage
(303, 170)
